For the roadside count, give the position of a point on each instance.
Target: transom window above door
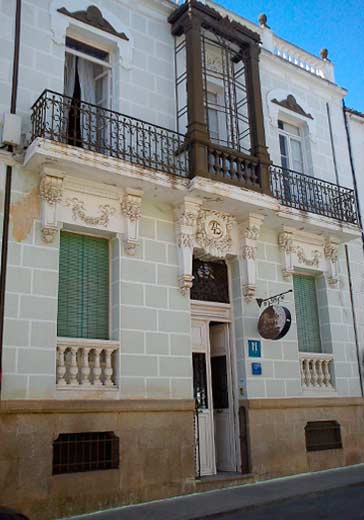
(290, 145)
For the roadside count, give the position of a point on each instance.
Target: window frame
(289, 137)
(95, 235)
(314, 277)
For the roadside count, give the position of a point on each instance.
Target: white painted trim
(211, 311)
(61, 23)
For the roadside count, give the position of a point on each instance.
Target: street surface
(341, 504)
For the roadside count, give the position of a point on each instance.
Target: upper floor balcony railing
(59, 118)
(306, 193)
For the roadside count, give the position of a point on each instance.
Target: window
(87, 85)
(200, 379)
(83, 294)
(87, 451)
(290, 144)
(307, 317)
(213, 116)
(323, 435)
(210, 281)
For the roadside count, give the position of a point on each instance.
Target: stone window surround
(308, 126)
(120, 50)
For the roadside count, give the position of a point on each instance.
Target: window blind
(307, 317)
(83, 294)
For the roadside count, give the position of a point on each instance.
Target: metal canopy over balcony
(89, 127)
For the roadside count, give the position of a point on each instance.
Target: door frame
(223, 313)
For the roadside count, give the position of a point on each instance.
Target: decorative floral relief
(214, 232)
(132, 207)
(51, 189)
(252, 232)
(79, 212)
(185, 240)
(311, 262)
(48, 234)
(187, 218)
(331, 251)
(285, 242)
(248, 252)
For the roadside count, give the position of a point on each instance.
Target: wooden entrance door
(222, 397)
(202, 392)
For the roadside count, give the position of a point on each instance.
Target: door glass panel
(200, 380)
(297, 159)
(284, 151)
(219, 382)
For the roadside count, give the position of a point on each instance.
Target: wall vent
(323, 435)
(85, 451)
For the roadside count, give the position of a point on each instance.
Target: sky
(337, 25)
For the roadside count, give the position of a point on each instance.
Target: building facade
(177, 163)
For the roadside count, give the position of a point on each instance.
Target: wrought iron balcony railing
(60, 118)
(306, 193)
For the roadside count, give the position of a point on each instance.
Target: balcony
(316, 373)
(88, 127)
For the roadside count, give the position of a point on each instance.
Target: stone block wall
(155, 449)
(277, 434)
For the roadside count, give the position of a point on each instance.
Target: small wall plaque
(256, 369)
(254, 348)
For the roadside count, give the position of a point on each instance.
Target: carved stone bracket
(285, 242)
(306, 251)
(249, 235)
(131, 207)
(186, 222)
(51, 193)
(331, 254)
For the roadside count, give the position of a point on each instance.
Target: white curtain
(69, 74)
(88, 114)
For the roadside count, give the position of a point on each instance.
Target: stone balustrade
(316, 372)
(86, 364)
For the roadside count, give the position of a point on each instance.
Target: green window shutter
(83, 294)
(307, 316)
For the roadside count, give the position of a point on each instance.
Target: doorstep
(222, 480)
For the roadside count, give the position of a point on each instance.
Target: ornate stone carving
(93, 16)
(314, 261)
(48, 234)
(291, 103)
(51, 189)
(249, 232)
(132, 207)
(185, 240)
(248, 252)
(285, 242)
(331, 251)
(79, 212)
(214, 233)
(186, 220)
(185, 283)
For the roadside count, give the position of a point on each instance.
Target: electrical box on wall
(11, 134)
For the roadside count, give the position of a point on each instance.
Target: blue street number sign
(254, 348)
(256, 369)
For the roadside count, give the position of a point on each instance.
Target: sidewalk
(249, 496)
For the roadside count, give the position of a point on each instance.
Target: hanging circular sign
(274, 322)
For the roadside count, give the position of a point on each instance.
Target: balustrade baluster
(108, 370)
(96, 371)
(314, 374)
(320, 375)
(61, 367)
(73, 367)
(85, 367)
(307, 372)
(327, 373)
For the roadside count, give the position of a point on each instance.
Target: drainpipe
(353, 313)
(8, 179)
(355, 184)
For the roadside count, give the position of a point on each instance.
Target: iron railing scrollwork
(63, 119)
(309, 194)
